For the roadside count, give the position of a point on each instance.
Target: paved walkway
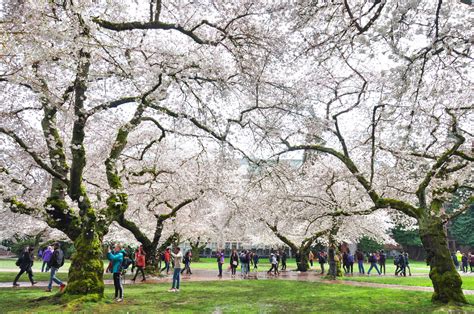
(207, 275)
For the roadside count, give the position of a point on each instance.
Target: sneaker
(172, 290)
(15, 284)
(34, 283)
(119, 300)
(176, 290)
(61, 287)
(47, 290)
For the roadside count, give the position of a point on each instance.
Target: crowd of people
(463, 261)
(120, 259)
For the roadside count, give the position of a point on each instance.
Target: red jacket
(167, 256)
(139, 259)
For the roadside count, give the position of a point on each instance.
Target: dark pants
(118, 286)
(382, 267)
(350, 267)
(464, 267)
(311, 262)
(401, 270)
(44, 266)
(283, 265)
(186, 268)
(233, 268)
(176, 275)
(167, 267)
(22, 271)
(219, 265)
(139, 269)
(322, 267)
(472, 266)
(274, 268)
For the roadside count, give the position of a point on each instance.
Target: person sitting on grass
(25, 262)
(373, 264)
(177, 259)
(116, 258)
(56, 262)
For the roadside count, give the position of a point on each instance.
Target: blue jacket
(116, 259)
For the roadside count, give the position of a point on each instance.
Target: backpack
(19, 261)
(125, 263)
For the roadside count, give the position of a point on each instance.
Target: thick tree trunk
(446, 280)
(87, 269)
(302, 260)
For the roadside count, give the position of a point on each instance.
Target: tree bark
(302, 260)
(87, 269)
(446, 280)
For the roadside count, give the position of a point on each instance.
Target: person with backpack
(187, 263)
(255, 261)
(382, 261)
(350, 263)
(220, 261)
(373, 264)
(47, 253)
(400, 263)
(116, 257)
(243, 263)
(56, 262)
(25, 262)
(360, 261)
(167, 259)
(140, 263)
(283, 261)
(322, 261)
(177, 260)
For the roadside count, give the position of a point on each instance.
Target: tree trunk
(446, 280)
(302, 260)
(87, 269)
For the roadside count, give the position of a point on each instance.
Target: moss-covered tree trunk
(87, 269)
(446, 280)
(302, 260)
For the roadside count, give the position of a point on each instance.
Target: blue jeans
(372, 265)
(243, 268)
(361, 267)
(53, 277)
(176, 275)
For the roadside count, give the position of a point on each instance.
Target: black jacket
(26, 260)
(57, 260)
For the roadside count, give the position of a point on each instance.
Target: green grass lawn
(266, 296)
(467, 282)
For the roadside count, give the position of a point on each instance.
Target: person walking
(256, 259)
(471, 261)
(311, 258)
(187, 263)
(25, 262)
(56, 262)
(274, 263)
(47, 253)
(382, 261)
(360, 261)
(243, 263)
(345, 265)
(116, 258)
(322, 260)
(373, 264)
(400, 263)
(167, 259)
(234, 262)
(407, 263)
(350, 263)
(220, 262)
(283, 261)
(464, 262)
(140, 263)
(177, 259)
